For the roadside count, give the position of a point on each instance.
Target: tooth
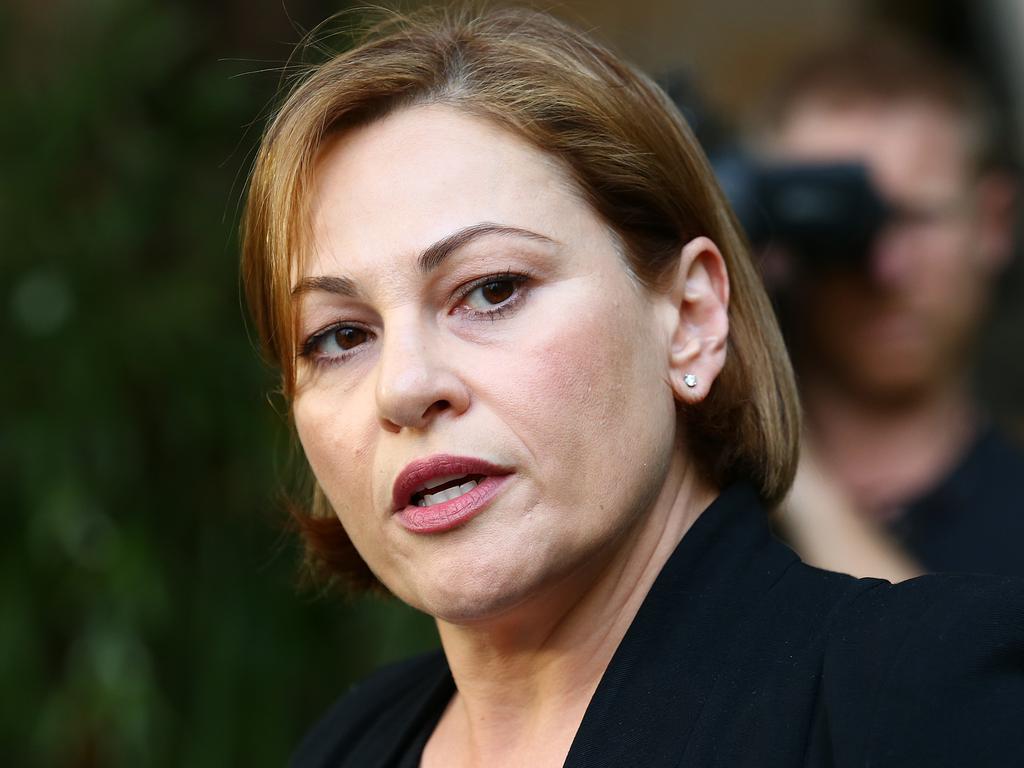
(448, 494)
(440, 496)
(440, 481)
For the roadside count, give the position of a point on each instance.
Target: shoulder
(973, 520)
(989, 480)
(390, 700)
(929, 672)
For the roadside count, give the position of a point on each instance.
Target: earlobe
(700, 299)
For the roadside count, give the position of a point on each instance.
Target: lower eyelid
(521, 289)
(327, 361)
(308, 348)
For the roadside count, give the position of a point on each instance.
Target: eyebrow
(428, 261)
(327, 283)
(434, 256)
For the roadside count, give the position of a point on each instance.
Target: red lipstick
(414, 486)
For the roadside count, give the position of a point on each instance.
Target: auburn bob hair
(628, 150)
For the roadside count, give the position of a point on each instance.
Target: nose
(893, 259)
(416, 380)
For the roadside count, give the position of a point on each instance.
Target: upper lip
(422, 471)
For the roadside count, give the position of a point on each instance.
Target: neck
(885, 454)
(525, 679)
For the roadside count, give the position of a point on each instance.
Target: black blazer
(741, 655)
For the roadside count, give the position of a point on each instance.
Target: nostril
(438, 406)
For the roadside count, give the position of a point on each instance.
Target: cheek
(338, 448)
(586, 394)
(565, 374)
(952, 281)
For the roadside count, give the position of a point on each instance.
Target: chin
(889, 379)
(894, 388)
(470, 600)
(467, 607)
(480, 586)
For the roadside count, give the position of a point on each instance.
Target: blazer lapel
(676, 650)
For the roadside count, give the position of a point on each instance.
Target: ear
(700, 320)
(996, 205)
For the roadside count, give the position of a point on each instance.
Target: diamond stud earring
(690, 380)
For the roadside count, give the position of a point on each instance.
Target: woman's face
(467, 320)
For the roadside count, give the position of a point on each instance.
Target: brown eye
(497, 291)
(349, 337)
(494, 293)
(335, 344)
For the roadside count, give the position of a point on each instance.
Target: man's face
(893, 330)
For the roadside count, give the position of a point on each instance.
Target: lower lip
(438, 518)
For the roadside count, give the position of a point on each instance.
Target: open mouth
(445, 484)
(438, 493)
(443, 489)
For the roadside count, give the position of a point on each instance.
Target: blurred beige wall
(733, 48)
(1006, 21)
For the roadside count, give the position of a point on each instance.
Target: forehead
(398, 185)
(909, 145)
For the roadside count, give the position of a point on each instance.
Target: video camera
(824, 216)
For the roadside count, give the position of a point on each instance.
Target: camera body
(822, 216)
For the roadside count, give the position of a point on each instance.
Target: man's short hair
(883, 67)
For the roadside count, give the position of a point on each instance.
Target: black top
(741, 655)
(973, 520)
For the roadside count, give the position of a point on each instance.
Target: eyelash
(518, 279)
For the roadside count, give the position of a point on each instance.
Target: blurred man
(902, 474)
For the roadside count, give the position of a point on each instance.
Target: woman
(544, 400)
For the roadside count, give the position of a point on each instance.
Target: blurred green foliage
(150, 613)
